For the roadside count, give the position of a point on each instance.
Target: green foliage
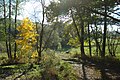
(2, 33)
(74, 42)
(50, 68)
(66, 72)
(54, 68)
(75, 52)
(3, 60)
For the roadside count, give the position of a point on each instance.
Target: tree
(89, 40)
(16, 11)
(75, 13)
(42, 30)
(9, 29)
(107, 7)
(26, 37)
(105, 30)
(5, 24)
(10, 8)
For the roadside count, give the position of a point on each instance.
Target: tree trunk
(40, 48)
(9, 37)
(89, 40)
(75, 25)
(6, 39)
(37, 47)
(81, 33)
(41, 33)
(96, 35)
(82, 37)
(15, 49)
(105, 30)
(97, 43)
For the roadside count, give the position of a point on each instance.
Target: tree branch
(94, 11)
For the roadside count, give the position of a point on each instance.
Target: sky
(32, 10)
(118, 11)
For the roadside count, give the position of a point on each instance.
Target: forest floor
(95, 69)
(87, 69)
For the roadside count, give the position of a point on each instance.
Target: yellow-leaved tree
(26, 39)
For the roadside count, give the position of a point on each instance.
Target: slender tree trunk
(97, 43)
(6, 40)
(15, 49)
(42, 30)
(47, 40)
(96, 35)
(9, 37)
(105, 30)
(37, 37)
(82, 36)
(40, 48)
(89, 40)
(75, 25)
(98, 47)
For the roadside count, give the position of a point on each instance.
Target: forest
(60, 40)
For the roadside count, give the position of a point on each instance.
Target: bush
(55, 69)
(3, 60)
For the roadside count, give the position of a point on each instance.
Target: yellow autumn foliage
(27, 36)
(34, 54)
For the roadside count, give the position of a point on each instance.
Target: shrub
(55, 69)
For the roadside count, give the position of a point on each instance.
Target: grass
(77, 50)
(51, 66)
(48, 69)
